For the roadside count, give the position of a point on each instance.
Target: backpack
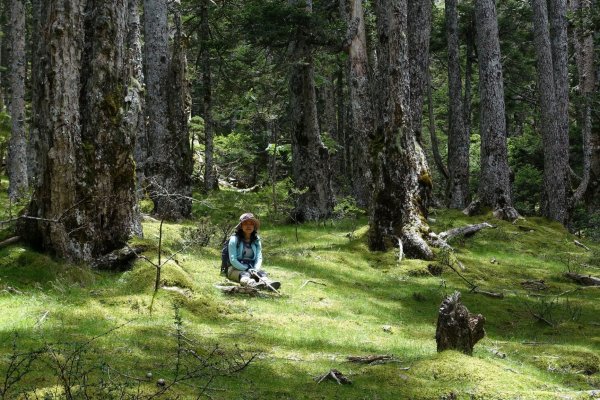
(225, 257)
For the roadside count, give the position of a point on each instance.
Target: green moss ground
(311, 328)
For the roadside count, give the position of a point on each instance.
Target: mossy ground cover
(338, 300)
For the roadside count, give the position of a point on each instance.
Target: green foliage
(526, 160)
(527, 186)
(5, 129)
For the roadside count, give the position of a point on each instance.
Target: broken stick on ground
(334, 375)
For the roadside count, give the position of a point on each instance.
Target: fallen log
(467, 231)
(119, 260)
(585, 280)
(238, 290)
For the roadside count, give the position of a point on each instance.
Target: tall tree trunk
(329, 125)
(419, 34)
(83, 205)
(17, 148)
(555, 140)
(179, 107)
(494, 184)
(34, 146)
(583, 41)
(210, 180)
(310, 158)
(361, 108)
(168, 159)
(559, 42)
(458, 136)
(135, 118)
(397, 210)
(469, 59)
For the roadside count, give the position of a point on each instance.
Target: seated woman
(245, 255)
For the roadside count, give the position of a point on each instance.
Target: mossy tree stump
(457, 328)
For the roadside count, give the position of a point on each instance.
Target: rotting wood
(585, 280)
(531, 284)
(334, 375)
(9, 241)
(238, 290)
(457, 328)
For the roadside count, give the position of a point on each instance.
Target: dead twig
(311, 281)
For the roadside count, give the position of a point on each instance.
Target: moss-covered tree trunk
(168, 160)
(310, 157)
(397, 209)
(458, 136)
(17, 147)
(83, 206)
(494, 183)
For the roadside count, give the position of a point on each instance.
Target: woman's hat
(248, 217)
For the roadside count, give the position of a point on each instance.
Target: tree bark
(555, 139)
(458, 136)
(168, 161)
(34, 145)
(17, 147)
(494, 184)
(310, 157)
(361, 107)
(559, 42)
(83, 206)
(210, 180)
(583, 43)
(135, 118)
(397, 210)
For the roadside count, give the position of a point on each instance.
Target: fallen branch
(578, 243)
(585, 280)
(311, 281)
(335, 375)
(486, 293)
(371, 360)
(9, 241)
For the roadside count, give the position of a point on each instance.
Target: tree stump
(457, 328)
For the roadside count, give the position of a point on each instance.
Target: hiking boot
(253, 284)
(272, 284)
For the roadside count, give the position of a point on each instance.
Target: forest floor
(71, 328)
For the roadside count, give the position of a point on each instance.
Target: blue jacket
(236, 251)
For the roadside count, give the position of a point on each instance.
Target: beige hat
(248, 217)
